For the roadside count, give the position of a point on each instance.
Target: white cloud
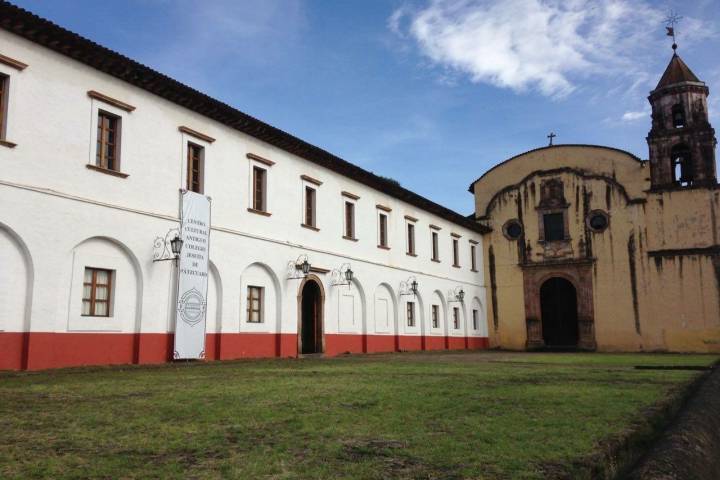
(633, 116)
(544, 45)
(395, 20)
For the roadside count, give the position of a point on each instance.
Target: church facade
(590, 247)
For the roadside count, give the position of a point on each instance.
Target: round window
(598, 221)
(512, 229)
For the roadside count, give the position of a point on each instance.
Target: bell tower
(681, 141)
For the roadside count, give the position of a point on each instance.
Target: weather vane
(670, 22)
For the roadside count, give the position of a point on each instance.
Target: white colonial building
(95, 150)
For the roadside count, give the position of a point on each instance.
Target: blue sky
(429, 92)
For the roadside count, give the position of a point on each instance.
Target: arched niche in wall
(460, 328)
(259, 279)
(418, 308)
(213, 316)
(106, 286)
(384, 311)
(482, 327)
(348, 304)
(16, 289)
(437, 325)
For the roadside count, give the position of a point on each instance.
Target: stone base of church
(45, 350)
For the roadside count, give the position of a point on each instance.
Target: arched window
(678, 115)
(682, 165)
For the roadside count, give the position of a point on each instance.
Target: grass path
(417, 416)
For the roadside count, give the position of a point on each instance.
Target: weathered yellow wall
(677, 294)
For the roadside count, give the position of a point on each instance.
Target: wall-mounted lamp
(409, 287)
(343, 275)
(299, 268)
(304, 267)
(168, 247)
(457, 295)
(176, 245)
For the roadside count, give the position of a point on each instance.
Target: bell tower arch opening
(678, 115)
(682, 165)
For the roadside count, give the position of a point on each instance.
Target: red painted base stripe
(41, 350)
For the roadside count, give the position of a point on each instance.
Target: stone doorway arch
(311, 305)
(559, 313)
(578, 274)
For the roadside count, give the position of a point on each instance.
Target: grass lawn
(421, 416)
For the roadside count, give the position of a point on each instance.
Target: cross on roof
(551, 136)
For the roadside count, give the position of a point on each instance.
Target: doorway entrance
(311, 321)
(559, 313)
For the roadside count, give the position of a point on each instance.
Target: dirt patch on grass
(360, 405)
(393, 462)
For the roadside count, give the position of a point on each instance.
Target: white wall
(69, 216)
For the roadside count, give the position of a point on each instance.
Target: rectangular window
(435, 254)
(411, 314)
(195, 167)
(310, 207)
(349, 220)
(436, 316)
(107, 154)
(259, 188)
(456, 252)
(97, 289)
(382, 226)
(475, 319)
(411, 239)
(456, 318)
(4, 82)
(473, 259)
(554, 226)
(255, 304)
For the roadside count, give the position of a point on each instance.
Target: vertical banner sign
(192, 276)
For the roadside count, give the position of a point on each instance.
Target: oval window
(598, 221)
(512, 229)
